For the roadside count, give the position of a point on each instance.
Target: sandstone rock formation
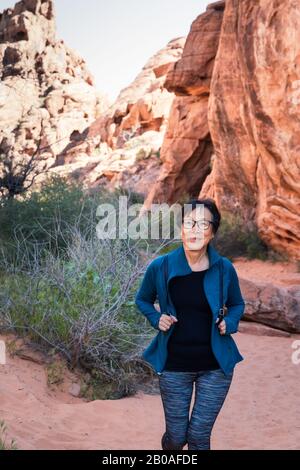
(187, 149)
(131, 131)
(272, 305)
(48, 102)
(47, 94)
(272, 294)
(253, 118)
(145, 104)
(215, 115)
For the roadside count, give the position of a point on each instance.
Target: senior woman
(193, 344)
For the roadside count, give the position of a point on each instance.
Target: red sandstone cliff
(251, 116)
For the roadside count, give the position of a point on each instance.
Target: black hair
(210, 204)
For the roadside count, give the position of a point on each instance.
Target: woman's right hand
(166, 321)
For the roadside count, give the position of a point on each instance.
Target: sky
(117, 37)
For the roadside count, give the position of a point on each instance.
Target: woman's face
(196, 236)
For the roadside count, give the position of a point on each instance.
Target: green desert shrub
(235, 239)
(80, 303)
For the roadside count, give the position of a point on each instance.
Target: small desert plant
(4, 445)
(55, 373)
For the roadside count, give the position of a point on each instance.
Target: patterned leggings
(176, 388)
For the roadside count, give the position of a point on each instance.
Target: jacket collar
(179, 266)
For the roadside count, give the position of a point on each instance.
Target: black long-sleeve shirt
(189, 346)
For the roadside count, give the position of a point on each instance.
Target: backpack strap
(223, 308)
(166, 274)
(221, 281)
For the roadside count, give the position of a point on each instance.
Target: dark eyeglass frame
(197, 222)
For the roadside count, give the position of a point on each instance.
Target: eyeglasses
(201, 224)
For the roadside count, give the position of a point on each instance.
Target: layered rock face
(145, 104)
(187, 149)
(252, 115)
(254, 119)
(47, 94)
(49, 105)
(131, 131)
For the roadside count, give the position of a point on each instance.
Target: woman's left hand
(222, 327)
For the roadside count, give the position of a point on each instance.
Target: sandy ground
(261, 411)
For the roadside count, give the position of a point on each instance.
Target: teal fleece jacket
(153, 287)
